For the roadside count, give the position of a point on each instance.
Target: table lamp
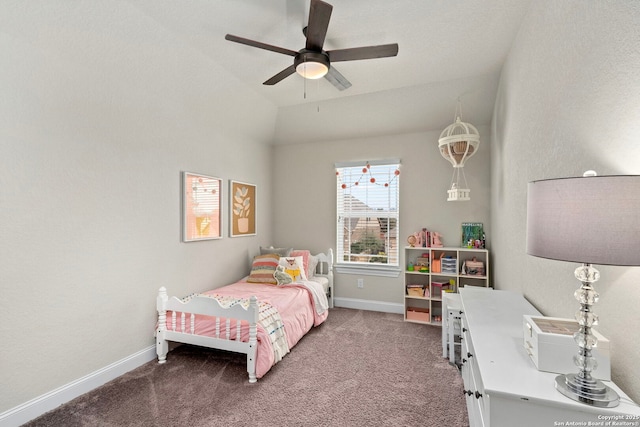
(588, 220)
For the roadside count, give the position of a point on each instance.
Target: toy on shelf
(422, 263)
(425, 239)
(436, 241)
(473, 267)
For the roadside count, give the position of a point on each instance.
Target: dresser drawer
(473, 388)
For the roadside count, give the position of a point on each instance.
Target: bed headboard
(325, 263)
(325, 268)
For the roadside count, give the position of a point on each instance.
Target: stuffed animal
(292, 269)
(281, 276)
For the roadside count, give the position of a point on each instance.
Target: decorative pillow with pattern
(294, 267)
(263, 269)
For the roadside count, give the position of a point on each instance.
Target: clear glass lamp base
(582, 387)
(591, 392)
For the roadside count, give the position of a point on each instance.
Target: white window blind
(368, 213)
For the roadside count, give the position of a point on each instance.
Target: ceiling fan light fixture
(311, 65)
(312, 70)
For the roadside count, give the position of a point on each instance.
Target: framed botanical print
(242, 204)
(201, 207)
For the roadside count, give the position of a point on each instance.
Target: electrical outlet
(360, 283)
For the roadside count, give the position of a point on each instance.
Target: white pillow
(294, 266)
(313, 264)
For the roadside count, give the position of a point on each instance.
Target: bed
(260, 319)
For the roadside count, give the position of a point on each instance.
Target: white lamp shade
(591, 220)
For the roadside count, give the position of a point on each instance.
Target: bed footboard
(182, 326)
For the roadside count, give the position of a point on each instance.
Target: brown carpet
(360, 368)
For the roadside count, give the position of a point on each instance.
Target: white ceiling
(448, 49)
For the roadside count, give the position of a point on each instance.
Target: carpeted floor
(360, 368)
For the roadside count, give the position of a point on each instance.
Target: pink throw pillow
(305, 254)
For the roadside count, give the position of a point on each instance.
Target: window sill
(366, 270)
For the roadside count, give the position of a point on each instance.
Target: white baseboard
(51, 400)
(363, 304)
(34, 408)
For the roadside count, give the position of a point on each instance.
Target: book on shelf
(473, 235)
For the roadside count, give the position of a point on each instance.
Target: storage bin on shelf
(418, 313)
(449, 265)
(415, 290)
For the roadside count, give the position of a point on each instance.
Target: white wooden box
(550, 344)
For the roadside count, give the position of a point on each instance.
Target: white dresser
(502, 385)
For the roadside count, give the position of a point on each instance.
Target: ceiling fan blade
(319, 15)
(367, 52)
(337, 79)
(260, 45)
(281, 75)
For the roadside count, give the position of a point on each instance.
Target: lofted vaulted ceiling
(447, 50)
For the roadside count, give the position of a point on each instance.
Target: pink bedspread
(294, 302)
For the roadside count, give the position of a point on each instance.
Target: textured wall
(94, 132)
(568, 102)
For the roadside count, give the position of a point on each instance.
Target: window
(367, 214)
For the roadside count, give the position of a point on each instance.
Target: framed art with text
(472, 235)
(201, 207)
(242, 204)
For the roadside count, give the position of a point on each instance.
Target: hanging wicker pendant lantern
(458, 142)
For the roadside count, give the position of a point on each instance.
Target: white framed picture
(201, 207)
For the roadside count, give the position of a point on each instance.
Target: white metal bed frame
(182, 325)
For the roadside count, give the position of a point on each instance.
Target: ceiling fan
(312, 62)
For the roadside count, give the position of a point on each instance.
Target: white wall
(568, 102)
(94, 132)
(305, 196)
